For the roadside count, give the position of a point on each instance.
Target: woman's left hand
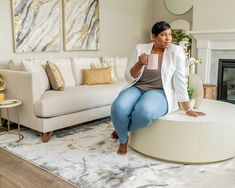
(195, 113)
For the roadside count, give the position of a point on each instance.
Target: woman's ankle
(114, 135)
(122, 150)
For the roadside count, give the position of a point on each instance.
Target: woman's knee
(125, 101)
(148, 114)
(141, 118)
(117, 107)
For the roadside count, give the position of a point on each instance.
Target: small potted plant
(180, 38)
(191, 62)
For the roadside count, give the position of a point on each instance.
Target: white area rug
(85, 156)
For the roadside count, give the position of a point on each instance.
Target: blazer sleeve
(179, 79)
(132, 61)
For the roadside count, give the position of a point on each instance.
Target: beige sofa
(46, 110)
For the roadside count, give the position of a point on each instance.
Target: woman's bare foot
(122, 150)
(114, 135)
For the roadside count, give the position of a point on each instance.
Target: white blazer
(172, 70)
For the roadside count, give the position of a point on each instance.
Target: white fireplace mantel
(211, 40)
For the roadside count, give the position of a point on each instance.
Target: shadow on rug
(85, 155)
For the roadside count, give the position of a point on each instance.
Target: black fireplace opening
(226, 80)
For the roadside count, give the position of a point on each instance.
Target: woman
(152, 92)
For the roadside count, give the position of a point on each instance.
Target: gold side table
(7, 104)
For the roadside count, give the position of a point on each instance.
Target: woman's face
(164, 39)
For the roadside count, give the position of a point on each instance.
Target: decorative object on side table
(2, 87)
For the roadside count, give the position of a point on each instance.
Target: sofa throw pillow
(65, 67)
(104, 64)
(97, 76)
(55, 77)
(82, 63)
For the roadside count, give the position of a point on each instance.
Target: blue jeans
(135, 108)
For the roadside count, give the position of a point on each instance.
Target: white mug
(152, 61)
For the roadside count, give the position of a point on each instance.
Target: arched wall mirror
(181, 24)
(180, 35)
(179, 7)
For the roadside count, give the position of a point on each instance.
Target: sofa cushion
(97, 76)
(14, 65)
(55, 77)
(75, 99)
(121, 65)
(82, 63)
(29, 66)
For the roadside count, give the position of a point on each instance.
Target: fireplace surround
(214, 46)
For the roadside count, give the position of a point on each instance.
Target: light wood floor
(16, 172)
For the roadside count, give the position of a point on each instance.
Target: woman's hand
(143, 59)
(136, 69)
(195, 113)
(188, 110)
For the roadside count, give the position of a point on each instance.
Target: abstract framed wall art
(81, 24)
(36, 25)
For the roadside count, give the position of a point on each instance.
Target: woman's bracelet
(190, 109)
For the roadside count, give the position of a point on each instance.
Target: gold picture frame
(81, 25)
(36, 25)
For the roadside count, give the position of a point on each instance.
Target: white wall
(213, 15)
(123, 23)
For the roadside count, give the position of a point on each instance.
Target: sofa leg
(46, 136)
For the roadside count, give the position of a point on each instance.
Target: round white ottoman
(184, 139)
